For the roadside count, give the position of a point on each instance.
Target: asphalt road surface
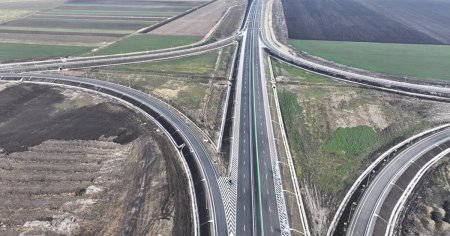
(368, 208)
(257, 212)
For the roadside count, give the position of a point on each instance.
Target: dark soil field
(76, 164)
(383, 21)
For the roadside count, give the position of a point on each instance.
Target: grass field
(421, 61)
(12, 51)
(145, 42)
(335, 129)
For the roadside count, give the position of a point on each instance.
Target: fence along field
(87, 24)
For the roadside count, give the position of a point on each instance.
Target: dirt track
(73, 163)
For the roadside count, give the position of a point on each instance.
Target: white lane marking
(244, 176)
(244, 190)
(264, 152)
(271, 228)
(244, 227)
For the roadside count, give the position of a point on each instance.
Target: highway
(257, 212)
(257, 205)
(217, 220)
(375, 207)
(256, 209)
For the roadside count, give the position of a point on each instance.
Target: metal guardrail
(363, 176)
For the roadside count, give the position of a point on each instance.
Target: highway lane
(257, 207)
(218, 220)
(245, 195)
(368, 208)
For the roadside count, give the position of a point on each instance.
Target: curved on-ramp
(209, 200)
(376, 207)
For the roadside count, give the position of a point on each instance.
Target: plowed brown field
(395, 21)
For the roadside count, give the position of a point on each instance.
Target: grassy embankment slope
(335, 129)
(412, 60)
(146, 42)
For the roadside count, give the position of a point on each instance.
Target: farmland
(77, 164)
(89, 24)
(369, 21)
(13, 9)
(394, 59)
(335, 129)
(200, 22)
(13, 51)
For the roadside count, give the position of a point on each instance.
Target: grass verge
(146, 42)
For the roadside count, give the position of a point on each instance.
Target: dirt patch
(199, 22)
(429, 210)
(73, 163)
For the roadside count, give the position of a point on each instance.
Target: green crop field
(411, 60)
(15, 51)
(144, 42)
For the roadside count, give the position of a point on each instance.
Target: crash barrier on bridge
(399, 211)
(200, 187)
(345, 212)
(415, 92)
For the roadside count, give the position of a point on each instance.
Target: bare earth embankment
(74, 163)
